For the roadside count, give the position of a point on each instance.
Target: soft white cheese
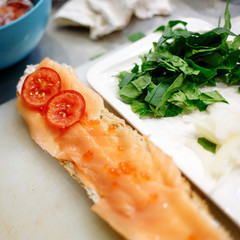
(29, 69)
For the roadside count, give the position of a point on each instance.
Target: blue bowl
(20, 37)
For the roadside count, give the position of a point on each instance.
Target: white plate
(226, 194)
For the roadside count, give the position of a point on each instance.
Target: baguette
(135, 187)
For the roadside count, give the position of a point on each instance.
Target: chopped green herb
(209, 146)
(169, 78)
(134, 89)
(136, 36)
(97, 56)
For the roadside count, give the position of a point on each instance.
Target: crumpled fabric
(103, 17)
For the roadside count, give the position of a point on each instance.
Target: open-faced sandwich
(134, 185)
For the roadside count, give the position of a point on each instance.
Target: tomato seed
(41, 96)
(62, 113)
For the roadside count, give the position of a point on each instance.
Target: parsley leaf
(209, 146)
(136, 36)
(97, 56)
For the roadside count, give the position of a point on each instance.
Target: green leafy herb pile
(167, 81)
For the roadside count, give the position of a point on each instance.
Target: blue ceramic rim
(22, 17)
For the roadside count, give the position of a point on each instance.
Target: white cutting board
(38, 199)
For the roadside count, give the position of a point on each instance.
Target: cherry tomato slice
(64, 109)
(40, 86)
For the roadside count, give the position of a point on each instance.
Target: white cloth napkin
(106, 16)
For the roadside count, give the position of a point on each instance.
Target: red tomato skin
(36, 91)
(59, 117)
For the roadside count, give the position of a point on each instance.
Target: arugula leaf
(227, 17)
(135, 69)
(128, 93)
(178, 96)
(171, 24)
(169, 78)
(156, 95)
(134, 89)
(206, 144)
(212, 97)
(172, 88)
(126, 79)
(142, 82)
(141, 108)
(160, 28)
(122, 75)
(235, 43)
(172, 110)
(234, 76)
(178, 63)
(96, 56)
(205, 73)
(180, 100)
(191, 90)
(168, 110)
(208, 40)
(136, 36)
